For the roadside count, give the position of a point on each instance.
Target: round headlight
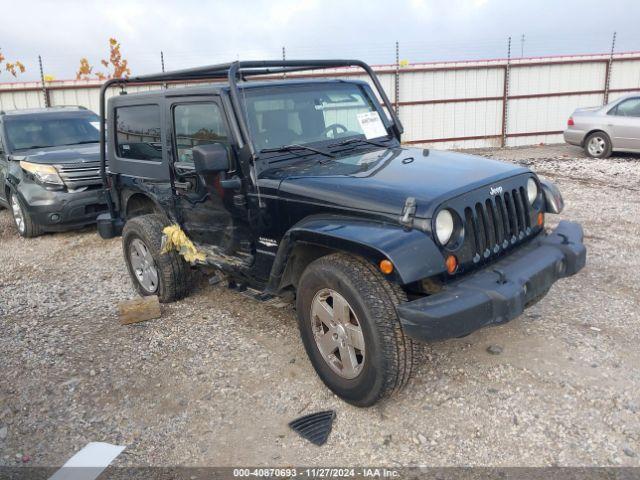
(444, 226)
(532, 190)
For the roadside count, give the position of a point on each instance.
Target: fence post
(45, 92)
(607, 75)
(396, 103)
(505, 95)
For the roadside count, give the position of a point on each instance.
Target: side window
(197, 124)
(628, 108)
(138, 132)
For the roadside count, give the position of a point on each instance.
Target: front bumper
(498, 293)
(60, 210)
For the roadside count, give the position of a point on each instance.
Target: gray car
(49, 177)
(602, 130)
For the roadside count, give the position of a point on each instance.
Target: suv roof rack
(234, 72)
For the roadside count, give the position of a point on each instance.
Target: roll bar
(233, 72)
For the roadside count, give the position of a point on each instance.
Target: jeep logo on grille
(495, 190)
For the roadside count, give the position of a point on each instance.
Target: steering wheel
(334, 127)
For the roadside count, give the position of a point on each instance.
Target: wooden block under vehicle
(139, 310)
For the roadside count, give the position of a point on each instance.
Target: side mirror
(213, 158)
(553, 197)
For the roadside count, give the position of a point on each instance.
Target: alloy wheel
(338, 333)
(597, 146)
(144, 266)
(18, 216)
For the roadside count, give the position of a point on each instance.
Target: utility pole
(284, 57)
(164, 84)
(45, 92)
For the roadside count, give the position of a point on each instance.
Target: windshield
(48, 130)
(302, 114)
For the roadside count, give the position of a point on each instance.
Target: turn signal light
(386, 266)
(540, 219)
(452, 264)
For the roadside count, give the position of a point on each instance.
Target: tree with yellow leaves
(119, 66)
(14, 68)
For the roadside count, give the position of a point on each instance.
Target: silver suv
(602, 130)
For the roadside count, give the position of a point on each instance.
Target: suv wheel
(166, 275)
(598, 145)
(350, 329)
(26, 227)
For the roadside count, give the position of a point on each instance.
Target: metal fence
(464, 104)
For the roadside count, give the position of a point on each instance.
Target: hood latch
(408, 212)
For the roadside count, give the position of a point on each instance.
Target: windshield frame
(274, 155)
(10, 122)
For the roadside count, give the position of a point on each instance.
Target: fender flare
(129, 193)
(12, 180)
(413, 253)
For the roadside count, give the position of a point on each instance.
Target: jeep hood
(82, 153)
(382, 180)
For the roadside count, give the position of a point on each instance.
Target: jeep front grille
(498, 222)
(78, 175)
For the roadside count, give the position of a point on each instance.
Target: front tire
(350, 329)
(598, 145)
(166, 275)
(25, 225)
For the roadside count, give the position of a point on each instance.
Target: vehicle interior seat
(275, 130)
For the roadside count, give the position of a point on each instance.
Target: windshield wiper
(295, 146)
(79, 143)
(358, 140)
(31, 147)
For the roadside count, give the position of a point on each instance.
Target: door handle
(183, 185)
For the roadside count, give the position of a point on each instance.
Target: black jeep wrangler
(49, 168)
(299, 188)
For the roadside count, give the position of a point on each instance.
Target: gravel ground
(216, 380)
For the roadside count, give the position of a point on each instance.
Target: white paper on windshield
(371, 125)
(95, 125)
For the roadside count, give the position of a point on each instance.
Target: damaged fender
(412, 252)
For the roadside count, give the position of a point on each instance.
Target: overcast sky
(192, 33)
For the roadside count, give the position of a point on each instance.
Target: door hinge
(239, 200)
(408, 212)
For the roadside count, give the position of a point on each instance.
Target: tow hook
(502, 278)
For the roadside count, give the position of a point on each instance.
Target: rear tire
(385, 362)
(166, 275)
(598, 145)
(25, 225)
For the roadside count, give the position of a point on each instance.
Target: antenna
(522, 39)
